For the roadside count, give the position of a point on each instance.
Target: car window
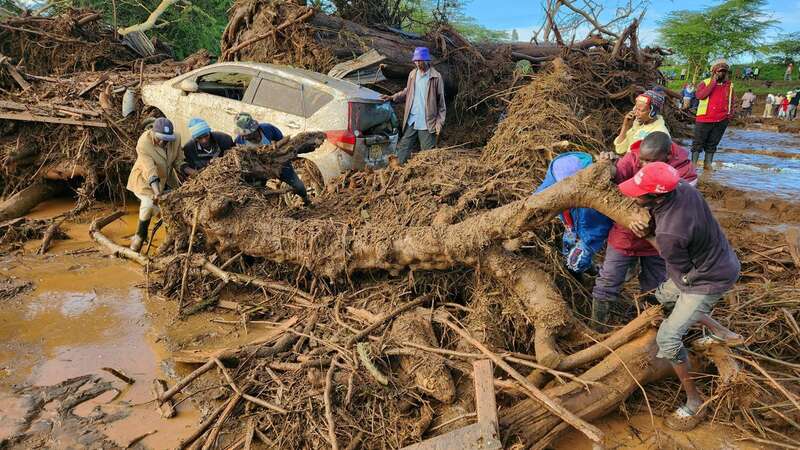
(314, 100)
(280, 95)
(228, 84)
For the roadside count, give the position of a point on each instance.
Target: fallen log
(25, 200)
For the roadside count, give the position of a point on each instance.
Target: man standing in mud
(424, 114)
(701, 268)
(713, 112)
(625, 249)
(158, 158)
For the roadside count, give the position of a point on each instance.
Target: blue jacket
(269, 131)
(590, 226)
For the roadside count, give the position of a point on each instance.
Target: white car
(361, 129)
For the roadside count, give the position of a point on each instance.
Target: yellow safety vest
(702, 108)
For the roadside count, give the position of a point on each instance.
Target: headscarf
(655, 99)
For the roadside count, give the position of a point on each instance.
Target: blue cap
(198, 127)
(163, 129)
(421, 54)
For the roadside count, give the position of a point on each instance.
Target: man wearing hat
(205, 144)
(425, 109)
(585, 229)
(715, 109)
(158, 159)
(644, 119)
(701, 268)
(250, 133)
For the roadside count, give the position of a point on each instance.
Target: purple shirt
(699, 257)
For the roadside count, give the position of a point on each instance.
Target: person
(425, 107)
(713, 112)
(784, 106)
(748, 73)
(701, 268)
(205, 144)
(787, 76)
(158, 159)
(776, 105)
(748, 100)
(250, 133)
(756, 72)
(688, 95)
(644, 119)
(768, 103)
(683, 73)
(791, 112)
(624, 248)
(585, 229)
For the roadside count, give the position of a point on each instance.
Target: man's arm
(442, 106)
(704, 91)
(675, 251)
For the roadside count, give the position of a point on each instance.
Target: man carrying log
(644, 119)
(701, 267)
(205, 144)
(585, 229)
(250, 133)
(713, 112)
(625, 249)
(425, 108)
(158, 158)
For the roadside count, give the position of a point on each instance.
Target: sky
(526, 16)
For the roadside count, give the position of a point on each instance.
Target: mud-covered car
(361, 129)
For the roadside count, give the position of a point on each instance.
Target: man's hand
(640, 228)
(386, 98)
(607, 156)
(156, 198)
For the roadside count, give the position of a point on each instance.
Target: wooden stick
(589, 430)
(119, 375)
(270, 286)
(28, 117)
(49, 234)
(165, 408)
(102, 79)
(212, 435)
(207, 423)
(383, 319)
(188, 257)
(117, 250)
(363, 356)
(186, 380)
(329, 406)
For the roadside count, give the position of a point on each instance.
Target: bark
(25, 200)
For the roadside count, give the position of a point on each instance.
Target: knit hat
(198, 127)
(245, 124)
(163, 129)
(655, 99)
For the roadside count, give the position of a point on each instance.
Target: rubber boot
(141, 235)
(708, 161)
(695, 158)
(600, 310)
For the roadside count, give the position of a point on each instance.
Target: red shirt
(720, 107)
(622, 239)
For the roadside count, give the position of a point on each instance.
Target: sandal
(684, 419)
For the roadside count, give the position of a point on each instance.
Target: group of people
(782, 106)
(682, 255)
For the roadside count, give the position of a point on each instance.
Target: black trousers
(707, 136)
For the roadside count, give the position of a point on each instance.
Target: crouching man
(158, 158)
(701, 268)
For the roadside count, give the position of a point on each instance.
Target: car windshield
(366, 116)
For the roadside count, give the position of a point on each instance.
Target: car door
(279, 101)
(222, 92)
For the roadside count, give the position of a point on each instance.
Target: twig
(212, 435)
(363, 356)
(207, 423)
(383, 319)
(188, 256)
(187, 380)
(119, 375)
(329, 406)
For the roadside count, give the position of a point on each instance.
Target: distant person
(683, 73)
(644, 119)
(791, 113)
(783, 106)
(424, 114)
(748, 73)
(688, 95)
(748, 100)
(205, 144)
(158, 159)
(769, 102)
(756, 72)
(585, 230)
(250, 133)
(787, 76)
(701, 267)
(713, 112)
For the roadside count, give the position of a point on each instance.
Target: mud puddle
(84, 314)
(760, 162)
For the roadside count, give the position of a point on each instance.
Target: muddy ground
(74, 312)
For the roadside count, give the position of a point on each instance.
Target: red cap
(653, 178)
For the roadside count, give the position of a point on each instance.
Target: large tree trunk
(25, 200)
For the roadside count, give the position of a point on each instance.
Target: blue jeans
(684, 311)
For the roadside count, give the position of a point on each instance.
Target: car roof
(321, 81)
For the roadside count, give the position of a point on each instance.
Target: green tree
(514, 35)
(785, 49)
(729, 29)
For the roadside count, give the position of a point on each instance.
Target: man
(787, 76)
(643, 120)
(791, 112)
(756, 71)
(250, 133)
(688, 95)
(158, 158)
(701, 267)
(748, 100)
(713, 112)
(425, 109)
(683, 73)
(768, 104)
(624, 248)
(205, 144)
(585, 229)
